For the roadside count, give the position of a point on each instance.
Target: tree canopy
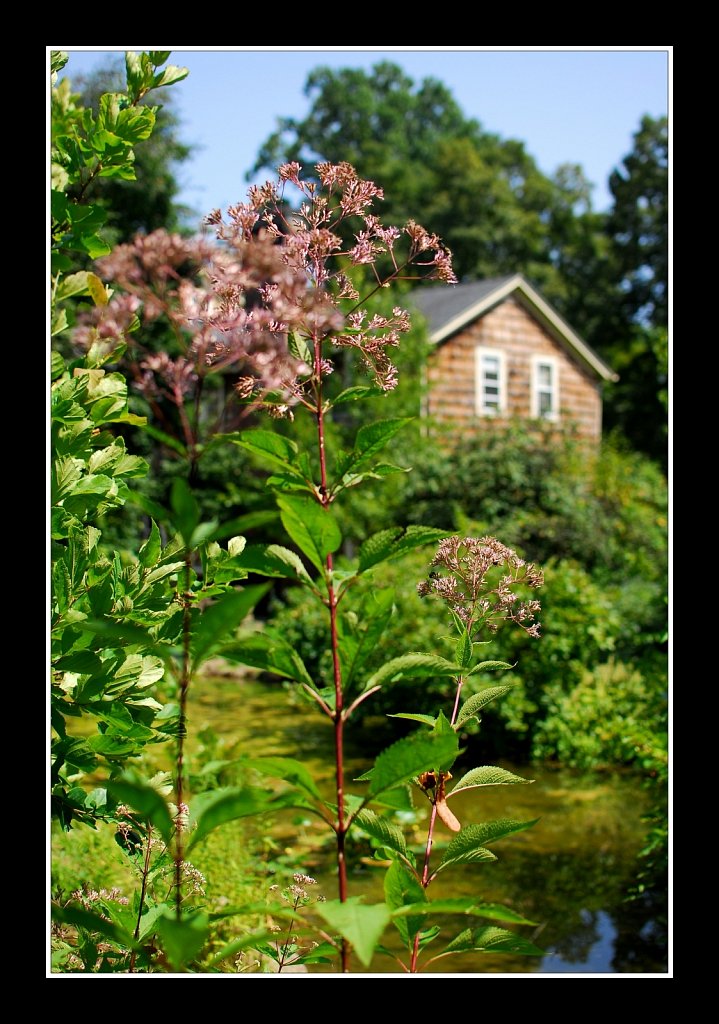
(500, 214)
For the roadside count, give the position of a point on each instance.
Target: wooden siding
(451, 373)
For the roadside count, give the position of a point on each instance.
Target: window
(491, 382)
(545, 388)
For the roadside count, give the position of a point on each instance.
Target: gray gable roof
(449, 309)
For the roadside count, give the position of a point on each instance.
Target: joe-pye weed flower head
(480, 581)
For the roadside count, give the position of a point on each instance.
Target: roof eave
(556, 326)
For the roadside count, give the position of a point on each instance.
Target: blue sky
(568, 105)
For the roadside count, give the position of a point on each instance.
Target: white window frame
(480, 353)
(538, 388)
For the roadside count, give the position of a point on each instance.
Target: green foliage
(110, 619)
(612, 716)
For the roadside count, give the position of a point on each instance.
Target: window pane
(544, 373)
(545, 403)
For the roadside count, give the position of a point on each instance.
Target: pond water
(570, 872)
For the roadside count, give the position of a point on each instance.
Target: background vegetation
(593, 694)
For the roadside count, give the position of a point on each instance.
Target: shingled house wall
(510, 328)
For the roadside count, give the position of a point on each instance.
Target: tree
(149, 201)
(632, 332)
(484, 195)
(638, 224)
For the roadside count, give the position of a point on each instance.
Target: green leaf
(182, 940)
(392, 543)
(169, 76)
(468, 846)
(463, 650)
(152, 547)
(269, 652)
(57, 365)
(401, 888)
(490, 940)
(311, 527)
(273, 448)
(362, 925)
(89, 922)
(185, 509)
(410, 756)
(357, 643)
(58, 60)
(370, 439)
(354, 393)
(222, 618)
(72, 284)
(299, 348)
(463, 905)
(384, 831)
(488, 776)
(212, 809)
(474, 704)
(273, 560)
(288, 769)
(147, 801)
(408, 666)
(490, 666)
(425, 719)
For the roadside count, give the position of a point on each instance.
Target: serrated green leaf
(312, 528)
(410, 756)
(354, 393)
(488, 776)
(214, 808)
(360, 924)
(273, 448)
(273, 560)
(384, 831)
(401, 887)
(490, 666)
(370, 440)
(463, 650)
(490, 940)
(474, 704)
(468, 846)
(146, 800)
(289, 770)
(389, 544)
(408, 666)
(425, 719)
(463, 905)
(271, 653)
(221, 619)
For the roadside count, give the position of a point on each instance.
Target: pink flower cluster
(477, 595)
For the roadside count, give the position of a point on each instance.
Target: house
(502, 352)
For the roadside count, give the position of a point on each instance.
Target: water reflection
(571, 872)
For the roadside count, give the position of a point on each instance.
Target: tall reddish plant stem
(181, 733)
(425, 880)
(340, 827)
